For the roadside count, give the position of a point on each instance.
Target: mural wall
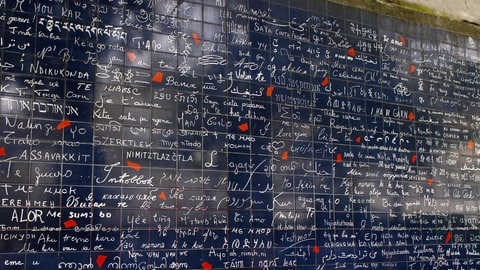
(234, 134)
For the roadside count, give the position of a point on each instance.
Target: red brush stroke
(63, 124)
(270, 90)
(2, 152)
(158, 77)
(403, 40)
(339, 158)
(285, 156)
(316, 249)
(162, 196)
(358, 139)
(134, 165)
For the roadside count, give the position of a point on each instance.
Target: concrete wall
(461, 16)
(463, 10)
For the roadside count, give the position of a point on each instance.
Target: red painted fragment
(70, 223)
(430, 182)
(158, 77)
(412, 68)
(243, 127)
(101, 260)
(134, 165)
(131, 56)
(270, 90)
(206, 265)
(63, 124)
(413, 158)
(411, 116)
(325, 81)
(471, 145)
(196, 38)
(448, 237)
(351, 52)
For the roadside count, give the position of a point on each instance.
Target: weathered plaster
(417, 11)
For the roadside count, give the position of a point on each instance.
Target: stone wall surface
(464, 10)
(461, 16)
